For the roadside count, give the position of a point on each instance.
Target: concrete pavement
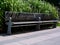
(44, 37)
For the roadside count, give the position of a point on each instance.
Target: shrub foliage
(31, 6)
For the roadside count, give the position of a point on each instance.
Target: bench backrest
(17, 16)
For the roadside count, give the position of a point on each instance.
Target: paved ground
(45, 37)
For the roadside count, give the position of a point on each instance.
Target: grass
(58, 24)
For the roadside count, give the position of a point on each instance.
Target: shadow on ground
(20, 30)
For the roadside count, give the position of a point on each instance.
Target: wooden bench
(16, 19)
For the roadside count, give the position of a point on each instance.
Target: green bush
(31, 6)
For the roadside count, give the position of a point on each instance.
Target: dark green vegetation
(31, 6)
(58, 24)
(54, 2)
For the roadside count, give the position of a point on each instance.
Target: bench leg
(54, 26)
(38, 27)
(9, 29)
(9, 26)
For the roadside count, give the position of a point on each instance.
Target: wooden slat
(51, 21)
(24, 25)
(32, 22)
(46, 23)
